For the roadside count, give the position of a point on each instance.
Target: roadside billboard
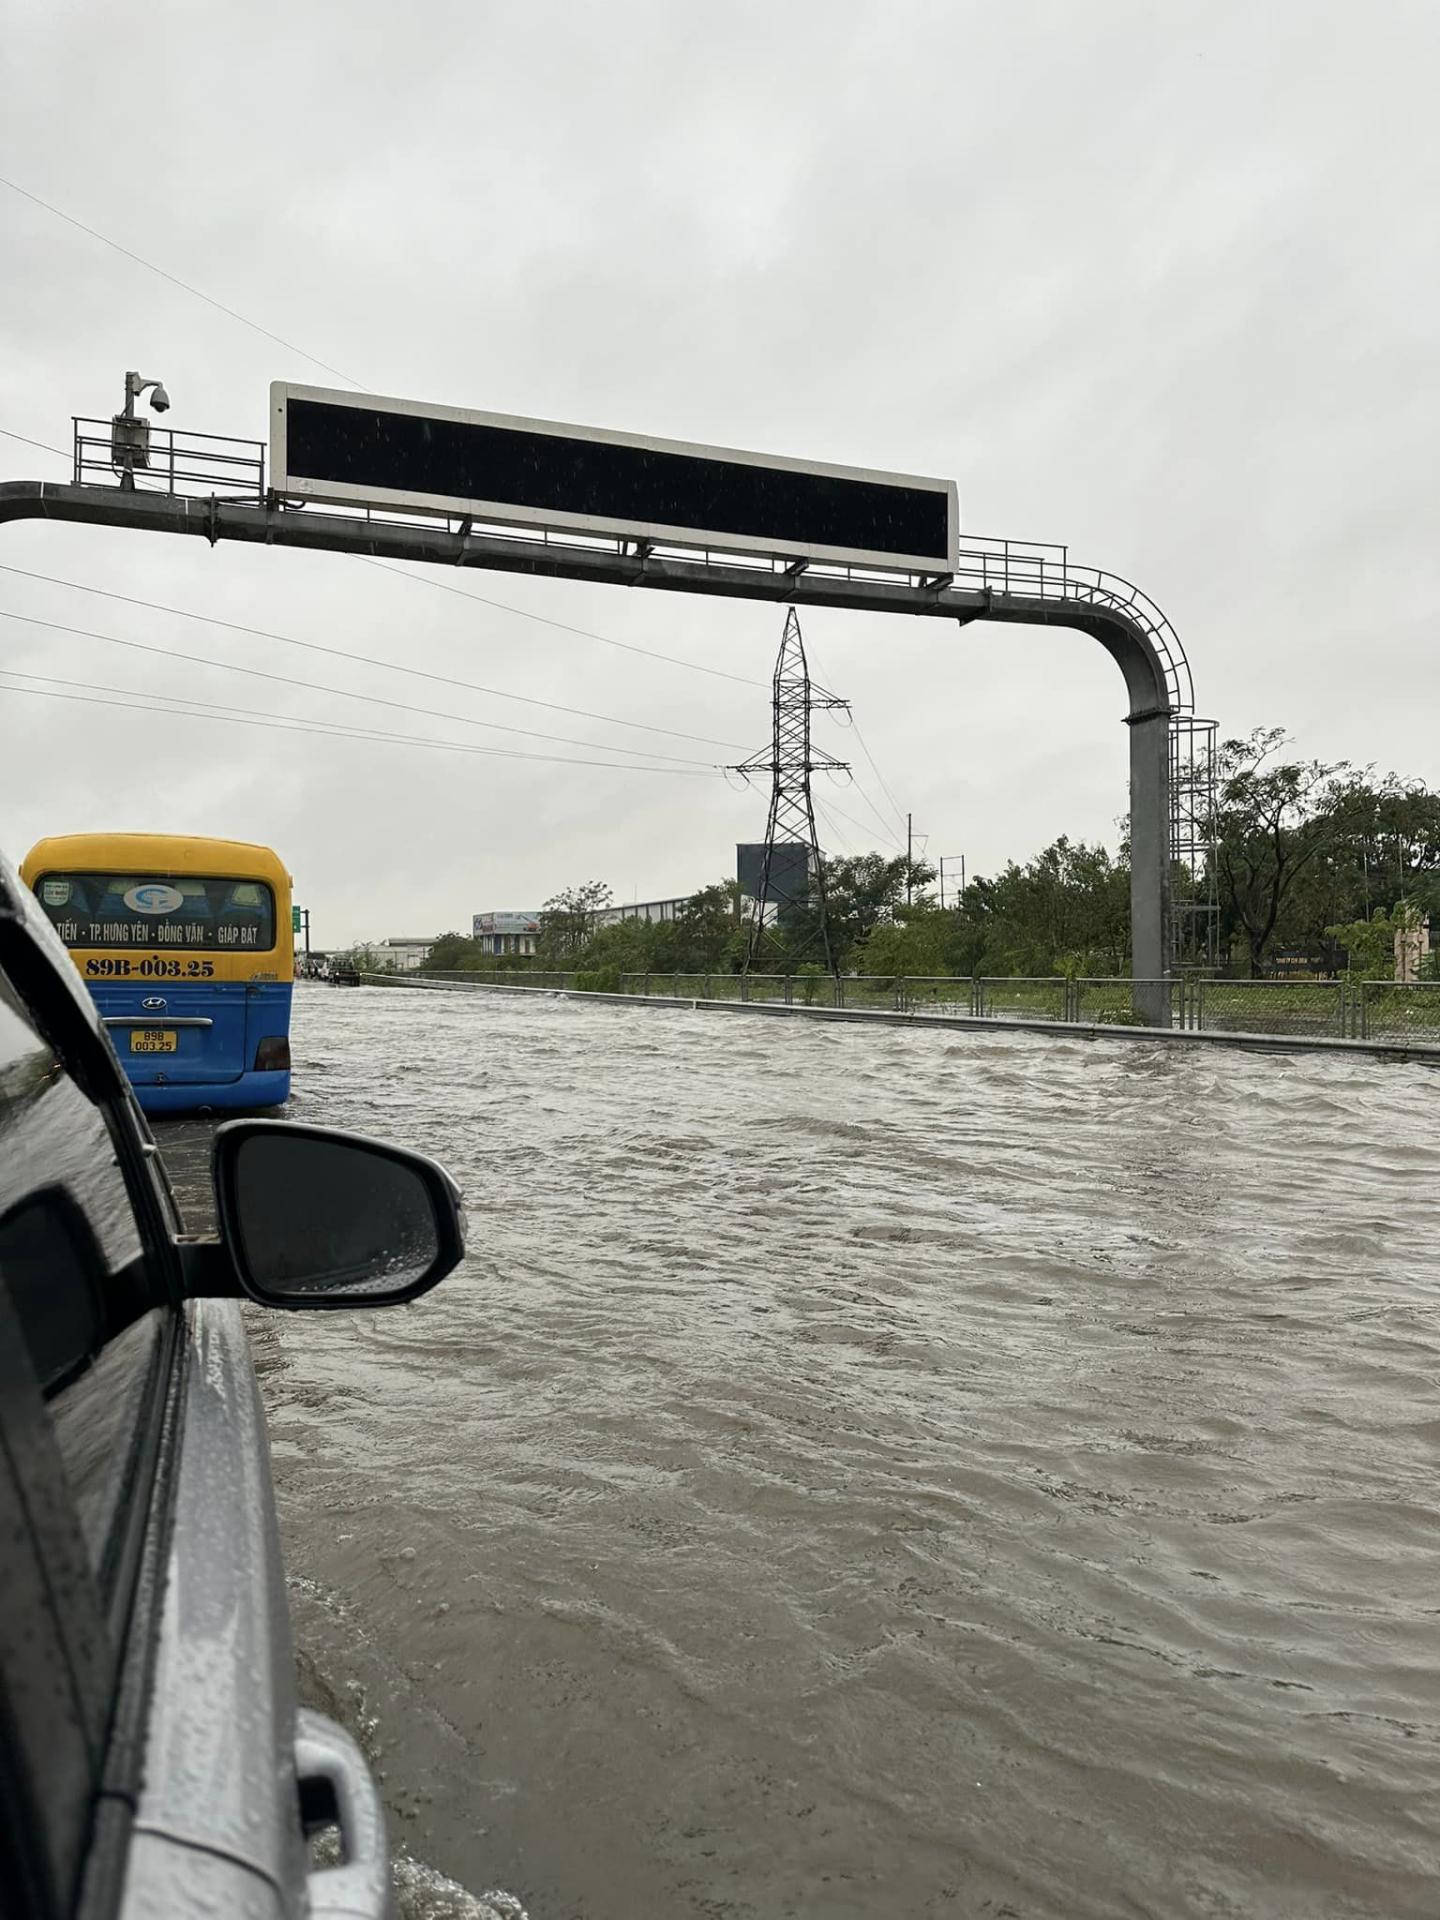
(486, 923)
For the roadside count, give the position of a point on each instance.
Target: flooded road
(884, 1473)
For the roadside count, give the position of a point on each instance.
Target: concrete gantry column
(1150, 865)
(1082, 600)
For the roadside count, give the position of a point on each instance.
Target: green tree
(625, 946)
(1065, 911)
(862, 891)
(1392, 851)
(923, 943)
(1370, 944)
(567, 922)
(1275, 820)
(707, 936)
(1304, 847)
(704, 937)
(453, 953)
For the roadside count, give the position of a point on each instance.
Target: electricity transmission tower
(790, 894)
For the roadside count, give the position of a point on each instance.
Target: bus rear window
(182, 911)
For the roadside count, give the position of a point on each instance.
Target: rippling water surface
(878, 1472)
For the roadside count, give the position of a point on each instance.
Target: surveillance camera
(160, 399)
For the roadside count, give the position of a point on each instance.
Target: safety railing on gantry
(1040, 571)
(170, 460)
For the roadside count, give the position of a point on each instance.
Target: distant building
(650, 910)
(506, 932)
(403, 954)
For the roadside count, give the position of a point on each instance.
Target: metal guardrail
(1376, 1010)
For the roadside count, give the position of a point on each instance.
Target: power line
(887, 834)
(180, 708)
(442, 586)
(462, 593)
(830, 806)
(365, 659)
(184, 285)
(586, 633)
(845, 844)
(859, 825)
(349, 379)
(263, 633)
(884, 784)
(879, 817)
(344, 693)
(44, 445)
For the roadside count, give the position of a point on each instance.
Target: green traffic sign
(295, 919)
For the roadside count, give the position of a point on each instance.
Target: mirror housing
(315, 1218)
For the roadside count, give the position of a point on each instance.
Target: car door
(153, 1761)
(86, 1384)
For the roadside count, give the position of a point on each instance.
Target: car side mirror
(315, 1218)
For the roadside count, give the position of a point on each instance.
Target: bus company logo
(154, 1003)
(153, 896)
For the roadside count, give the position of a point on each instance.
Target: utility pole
(909, 852)
(792, 874)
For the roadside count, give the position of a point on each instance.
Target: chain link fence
(1320, 1009)
(1376, 1010)
(1112, 1002)
(1022, 999)
(934, 995)
(1389, 1011)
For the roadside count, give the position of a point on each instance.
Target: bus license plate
(154, 1040)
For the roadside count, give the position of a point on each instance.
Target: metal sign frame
(500, 513)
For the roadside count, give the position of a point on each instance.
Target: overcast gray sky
(1157, 280)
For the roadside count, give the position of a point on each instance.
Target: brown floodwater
(869, 1472)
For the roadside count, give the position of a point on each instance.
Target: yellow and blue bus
(186, 945)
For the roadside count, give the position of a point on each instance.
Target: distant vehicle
(186, 945)
(154, 1762)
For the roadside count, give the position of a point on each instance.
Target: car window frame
(127, 1604)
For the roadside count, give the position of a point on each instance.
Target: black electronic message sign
(360, 450)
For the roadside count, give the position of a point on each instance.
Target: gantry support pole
(1150, 903)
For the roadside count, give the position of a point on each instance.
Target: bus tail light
(273, 1055)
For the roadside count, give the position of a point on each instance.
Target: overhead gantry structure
(215, 489)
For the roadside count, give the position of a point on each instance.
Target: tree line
(1316, 866)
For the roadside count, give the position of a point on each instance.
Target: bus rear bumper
(250, 1091)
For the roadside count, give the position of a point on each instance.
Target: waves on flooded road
(878, 1472)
